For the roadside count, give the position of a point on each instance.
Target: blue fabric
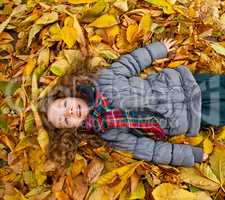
(172, 93)
(213, 98)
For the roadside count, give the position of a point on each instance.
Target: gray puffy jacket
(173, 93)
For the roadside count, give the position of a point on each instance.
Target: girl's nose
(69, 111)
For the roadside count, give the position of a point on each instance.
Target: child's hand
(205, 156)
(169, 43)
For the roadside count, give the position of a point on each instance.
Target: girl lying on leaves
(123, 109)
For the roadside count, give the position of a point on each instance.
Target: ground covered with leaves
(41, 41)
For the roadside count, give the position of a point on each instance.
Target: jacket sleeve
(158, 152)
(131, 64)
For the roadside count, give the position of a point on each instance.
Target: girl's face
(67, 112)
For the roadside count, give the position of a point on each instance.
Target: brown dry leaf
(58, 186)
(93, 170)
(80, 187)
(134, 179)
(49, 166)
(122, 5)
(69, 185)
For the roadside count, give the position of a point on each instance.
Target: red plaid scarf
(104, 117)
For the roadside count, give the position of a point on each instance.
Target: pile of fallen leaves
(41, 41)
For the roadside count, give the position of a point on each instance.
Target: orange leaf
(61, 196)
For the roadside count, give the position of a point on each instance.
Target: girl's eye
(65, 103)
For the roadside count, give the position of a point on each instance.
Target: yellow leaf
(139, 193)
(207, 172)
(90, 14)
(167, 5)
(217, 162)
(50, 86)
(29, 179)
(7, 141)
(105, 21)
(176, 63)
(55, 31)
(95, 39)
(119, 171)
(132, 31)
(124, 178)
(43, 139)
(170, 191)
(68, 21)
(29, 67)
(192, 12)
(60, 67)
(167, 191)
(23, 143)
(222, 21)
(145, 23)
(221, 135)
(196, 140)
(178, 139)
(81, 1)
(112, 32)
(194, 177)
(69, 35)
(47, 18)
(43, 57)
(124, 194)
(40, 177)
(101, 193)
(106, 51)
(77, 167)
(80, 35)
(218, 48)
(207, 146)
